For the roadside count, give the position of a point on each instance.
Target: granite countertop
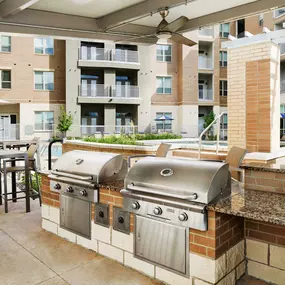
(277, 165)
(256, 205)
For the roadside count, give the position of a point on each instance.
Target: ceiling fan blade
(176, 24)
(135, 38)
(182, 40)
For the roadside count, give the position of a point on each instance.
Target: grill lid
(199, 181)
(90, 165)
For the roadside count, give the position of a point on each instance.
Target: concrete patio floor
(30, 255)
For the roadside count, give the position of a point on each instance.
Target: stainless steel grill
(76, 175)
(169, 196)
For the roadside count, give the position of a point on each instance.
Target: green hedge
(131, 139)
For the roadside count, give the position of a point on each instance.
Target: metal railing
(279, 13)
(98, 54)
(126, 91)
(205, 62)
(206, 95)
(282, 48)
(206, 31)
(94, 53)
(218, 119)
(93, 90)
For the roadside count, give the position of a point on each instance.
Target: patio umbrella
(163, 118)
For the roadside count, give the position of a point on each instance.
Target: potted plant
(208, 119)
(65, 121)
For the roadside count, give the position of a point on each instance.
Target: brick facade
(265, 181)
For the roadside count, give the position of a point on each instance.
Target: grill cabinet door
(75, 215)
(161, 243)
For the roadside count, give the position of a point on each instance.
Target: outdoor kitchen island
(216, 256)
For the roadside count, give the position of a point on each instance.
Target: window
(240, 28)
(223, 58)
(43, 121)
(224, 30)
(44, 80)
(5, 44)
(163, 85)
(223, 88)
(224, 127)
(260, 20)
(163, 53)
(164, 125)
(43, 46)
(5, 79)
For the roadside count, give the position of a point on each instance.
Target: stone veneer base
(118, 246)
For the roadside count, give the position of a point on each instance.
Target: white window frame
(44, 46)
(44, 122)
(1, 88)
(163, 53)
(169, 114)
(223, 88)
(222, 32)
(223, 61)
(163, 78)
(44, 82)
(1, 46)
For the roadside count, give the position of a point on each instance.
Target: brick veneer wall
(252, 88)
(265, 232)
(265, 181)
(224, 231)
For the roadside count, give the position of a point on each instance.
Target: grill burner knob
(157, 211)
(69, 189)
(121, 220)
(135, 205)
(57, 186)
(183, 217)
(83, 193)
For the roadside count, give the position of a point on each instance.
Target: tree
(64, 121)
(208, 119)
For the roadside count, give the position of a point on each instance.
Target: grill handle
(74, 176)
(191, 196)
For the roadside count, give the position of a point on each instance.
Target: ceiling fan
(167, 30)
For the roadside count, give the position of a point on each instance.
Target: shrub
(64, 121)
(165, 136)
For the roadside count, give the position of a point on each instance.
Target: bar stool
(12, 169)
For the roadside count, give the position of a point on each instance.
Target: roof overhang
(117, 20)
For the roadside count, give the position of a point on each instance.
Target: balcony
(206, 95)
(100, 93)
(206, 32)
(205, 62)
(108, 58)
(278, 13)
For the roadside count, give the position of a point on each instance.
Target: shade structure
(164, 118)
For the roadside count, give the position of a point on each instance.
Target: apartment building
(32, 86)
(110, 86)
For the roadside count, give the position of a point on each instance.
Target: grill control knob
(183, 217)
(121, 220)
(57, 186)
(69, 189)
(135, 205)
(83, 193)
(157, 211)
(101, 214)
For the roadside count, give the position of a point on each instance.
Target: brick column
(254, 96)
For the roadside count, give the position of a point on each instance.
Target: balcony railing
(117, 91)
(94, 90)
(126, 55)
(282, 49)
(126, 91)
(115, 55)
(279, 12)
(205, 62)
(206, 31)
(206, 95)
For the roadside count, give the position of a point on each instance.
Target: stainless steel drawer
(162, 244)
(75, 215)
